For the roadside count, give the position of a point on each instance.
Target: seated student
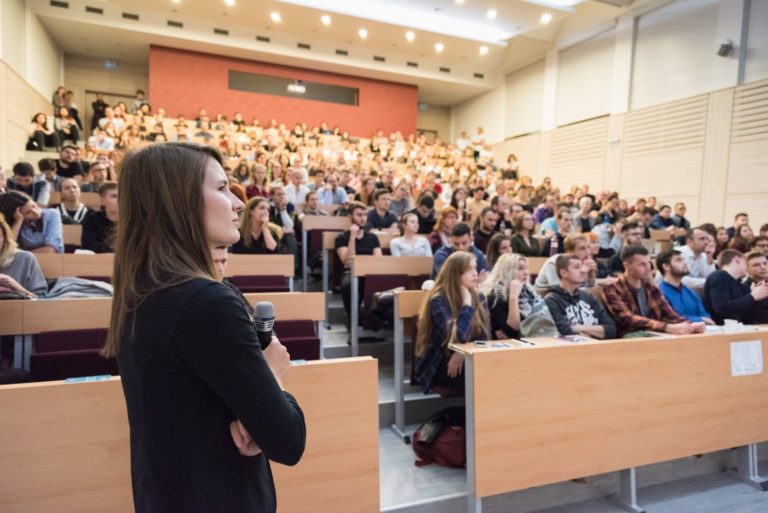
(454, 312)
(409, 243)
(486, 226)
(694, 253)
(331, 193)
(760, 244)
(476, 203)
(663, 220)
(425, 211)
(726, 296)
(574, 310)
(757, 272)
(523, 242)
(584, 220)
(499, 244)
(461, 240)
(19, 270)
(637, 304)
(72, 211)
(283, 214)
(47, 168)
(441, 235)
(41, 134)
(742, 240)
(296, 191)
(355, 241)
(546, 209)
(401, 202)
(738, 220)
(311, 206)
(673, 267)
(258, 236)
(579, 245)
(98, 227)
(681, 223)
(34, 229)
(99, 173)
(556, 242)
(379, 217)
(24, 180)
(631, 235)
(69, 165)
(510, 296)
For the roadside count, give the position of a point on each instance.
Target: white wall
(436, 118)
(524, 93)
(757, 46)
(676, 50)
(13, 34)
(584, 79)
(486, 110)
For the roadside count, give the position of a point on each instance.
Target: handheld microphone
(264, 320)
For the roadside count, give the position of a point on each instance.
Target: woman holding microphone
(206, 406)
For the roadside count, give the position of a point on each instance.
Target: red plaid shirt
(621, 301)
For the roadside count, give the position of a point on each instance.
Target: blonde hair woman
(257, 234)
(454, 312)
(205, 403)
(511, 298)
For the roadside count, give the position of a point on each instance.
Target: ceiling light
(491, 14)
(459, 2)
(410, 36)
(483, 50)
(325, 19)
(275, 16)
(545, 18)
(229, 3)
(439, 47)
(362, 33)
(176, 1)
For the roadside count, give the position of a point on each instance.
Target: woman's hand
(9, 283)
(455, 364)
(18, 217)
(466, 296)
(515, 288)
(277, 358)
(243, 441)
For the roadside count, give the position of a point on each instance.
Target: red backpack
(442, 440)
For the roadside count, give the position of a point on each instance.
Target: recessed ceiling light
(275, 16)
(459, 2)
(362, 33)
(176, 1)
(546, 18)
(325, 19)
(483, 50)
(229, 3)
(410, 36)
(439, 47)
(491, 14)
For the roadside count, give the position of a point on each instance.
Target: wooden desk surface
(11, 317)
(548, 414)
(65, 447)
(364, 265)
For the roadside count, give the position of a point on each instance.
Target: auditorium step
(34, 156)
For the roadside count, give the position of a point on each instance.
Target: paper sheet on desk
(746, 358)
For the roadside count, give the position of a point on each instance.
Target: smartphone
(480, 343)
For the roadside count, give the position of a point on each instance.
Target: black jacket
(579, 308)
(725, 297)
(191, 365)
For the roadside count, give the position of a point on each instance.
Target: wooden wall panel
(526, 148)
(578, 154)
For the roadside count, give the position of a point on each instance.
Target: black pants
(292, 246)
(444, 380)
(346, 295)
(40, 140)
(73, 135)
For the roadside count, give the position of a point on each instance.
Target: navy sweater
(727, 298)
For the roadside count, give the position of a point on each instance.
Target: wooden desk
(89, 199)
(261, 265)
(408, 304)
(535, 264)
(65, 447)
(56, 265)
(541, 415)
(309, 223)
(73, 234)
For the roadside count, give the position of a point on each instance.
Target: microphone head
(264, 316)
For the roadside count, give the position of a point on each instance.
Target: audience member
(401, 202)
(726, 296)
(332, 193)
(574, 310)
(696, 258)
(637, 304)
(41, 134)
(738, 220)
(296, 191)
(760, 244)
(461, 240)
(409, 243)
(631, 235)
(99, 226)
(365, 195)
(476, 203)
(757, 273)
(441, 235)
(283, 214)
(34, 229)
(585, 221)
(673, 267)
(425, 211)
(523, 242)
(742, 240)
(258, 235)
(663, 220)
(259, 186)
(99, 174)
(68, 165)
(578, 244)
(499, 244)
(23, 180)
(311, 206)
(546, 209)
(47, 168)
(454, 311)
(66, 126)
(486, 224)
(379, 217)
(554, 244)
(19, 270)
(511, 298)
(71, 210)
(681, 223)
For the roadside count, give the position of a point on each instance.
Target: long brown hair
(161, 240)
(448, 285)
(246, 222)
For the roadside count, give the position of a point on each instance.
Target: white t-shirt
(401, 247)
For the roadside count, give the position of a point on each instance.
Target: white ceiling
(110, 35)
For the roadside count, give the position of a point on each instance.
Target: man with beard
(757, 272)
(682, 299)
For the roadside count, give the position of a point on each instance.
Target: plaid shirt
(621, 302)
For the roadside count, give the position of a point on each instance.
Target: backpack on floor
(442, 439)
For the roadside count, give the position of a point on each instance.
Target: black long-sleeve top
(191, 365)
(725, 297)
(97, 232)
